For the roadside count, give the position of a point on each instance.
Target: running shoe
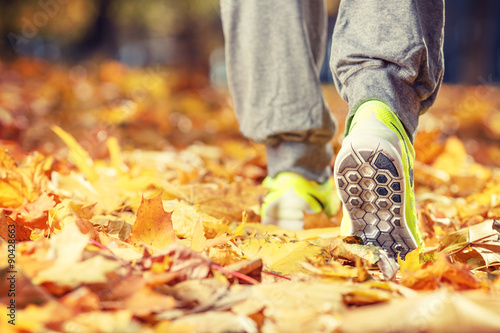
(290, 195)
(374, 178)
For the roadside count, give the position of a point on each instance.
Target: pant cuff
(383, 84)
(308, 159)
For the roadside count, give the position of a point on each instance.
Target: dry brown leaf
(477, 245)
(120, 228)
(343, 249)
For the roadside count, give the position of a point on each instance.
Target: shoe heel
(371, 186)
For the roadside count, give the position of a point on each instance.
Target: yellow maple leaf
(411, 262)
(153, 225)
(281, 256)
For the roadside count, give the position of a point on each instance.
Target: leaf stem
(238, 275)
(277, 275)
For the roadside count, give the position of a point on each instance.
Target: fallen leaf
(26, 181)
(477, 245)
(440, 311)
(185, 216)
(65, 213)
(224, 255)
(35, 214)
(120, 228)
(69, 270)
(35, 318)
(241, 227)
(81, 300)
(77, 154)
(441, 272)
(342, 249)
(187, 263)
(147, 301)
(115, 154)
(279, 303)
(411, 262)
(216, 322)
(199, 241)
(153, 225)
(201, 294)
(280, 256)
(94, 321)
(7, 225)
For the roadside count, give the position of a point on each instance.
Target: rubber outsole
(371, 185)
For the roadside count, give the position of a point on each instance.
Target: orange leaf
(21, 232)
(153, 225)
(35, 214)
(86, 227)
(442, 271)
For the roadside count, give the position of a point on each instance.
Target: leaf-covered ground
(135, 204)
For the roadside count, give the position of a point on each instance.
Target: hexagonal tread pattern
(372, 189)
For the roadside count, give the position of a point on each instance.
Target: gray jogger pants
(388, 50)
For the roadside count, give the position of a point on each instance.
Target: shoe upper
(290, 195)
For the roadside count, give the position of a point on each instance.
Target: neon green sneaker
(374, 177)
(290, 195)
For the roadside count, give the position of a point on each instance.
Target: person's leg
(391, 51)
(274, 50)
(388, 66)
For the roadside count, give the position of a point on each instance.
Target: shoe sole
(371, 184)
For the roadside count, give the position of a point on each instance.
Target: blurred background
(152, 73)
(188, 34)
